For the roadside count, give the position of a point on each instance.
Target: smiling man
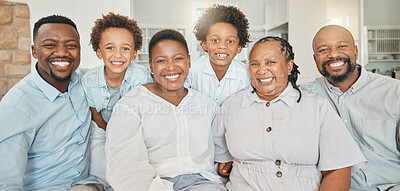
(45, 119)
(369, 105)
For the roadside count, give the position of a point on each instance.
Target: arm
(96, 117)
(15, 139)
(221, 151)
(128, 165)
(336, 180)
(224, 169)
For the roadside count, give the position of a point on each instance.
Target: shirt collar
(361, 82)
(50, 91)
(289, 96)
(101, 78)
(230, 73)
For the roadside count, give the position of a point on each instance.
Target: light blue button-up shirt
(95, 84)
(370, 109)
(44, 136)
(202, 78)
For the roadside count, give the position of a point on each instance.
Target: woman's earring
(152, 74)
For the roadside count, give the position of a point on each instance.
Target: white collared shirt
(202, 78)
(149, 138)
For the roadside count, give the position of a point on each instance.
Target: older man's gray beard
(339, 78)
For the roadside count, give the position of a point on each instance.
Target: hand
(224, 169)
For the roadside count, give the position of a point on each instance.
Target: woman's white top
(149, 138)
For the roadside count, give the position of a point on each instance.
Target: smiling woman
(287, 141)
(167, 146)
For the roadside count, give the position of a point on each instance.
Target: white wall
(304, 22)
(381, 12)
(83, 13)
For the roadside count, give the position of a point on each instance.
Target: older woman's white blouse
(149, 138)
(260, 135)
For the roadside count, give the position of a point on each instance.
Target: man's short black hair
(52, 19)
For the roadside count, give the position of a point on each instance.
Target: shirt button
(107, 98)
(269, 129)
(219, 85)
(279, 174)
(216, 99)
(278, 162)
(345, 120)
(267, 104)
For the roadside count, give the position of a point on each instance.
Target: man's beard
(60, 79)
(342, 77)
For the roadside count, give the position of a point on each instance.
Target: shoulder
(91, 76)
(199, 63)
(241, 67)
(235, 100)
(22, 90)
(313, 86)
(134, 95)
(378, 80)
(311, 98)
(137, 72)
(197, 95)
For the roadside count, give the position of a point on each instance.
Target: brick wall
(15, 42)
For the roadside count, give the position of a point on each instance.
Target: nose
(333, 53)
(222, 45)
(118, 53)
(171, 65)
(263, 69)
(60, 51)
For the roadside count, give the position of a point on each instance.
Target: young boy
(116, 40)
(223, 32)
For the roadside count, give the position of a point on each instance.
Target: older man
(369, 105)
(45, 119)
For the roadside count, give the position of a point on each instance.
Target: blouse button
(269, 129)
(278, 162)
(279, 174)
(267, 104)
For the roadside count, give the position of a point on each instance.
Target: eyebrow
(342, 41)
(216, 35)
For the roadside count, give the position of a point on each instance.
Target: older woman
(278, 137)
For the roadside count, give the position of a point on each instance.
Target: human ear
(204, 46)
(98, 53)
(239, 49)
(134, 55)
(290, 66)
(34, 51)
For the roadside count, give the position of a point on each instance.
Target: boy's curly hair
(223, 14)
(115, 21)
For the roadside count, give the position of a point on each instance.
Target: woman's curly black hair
(223, 14)
(115, 21)
(287, 49)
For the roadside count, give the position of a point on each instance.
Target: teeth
(266, 80)
(117, 63)
(172, 76)
(336, 64)
(222, 55)
(60, 63)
